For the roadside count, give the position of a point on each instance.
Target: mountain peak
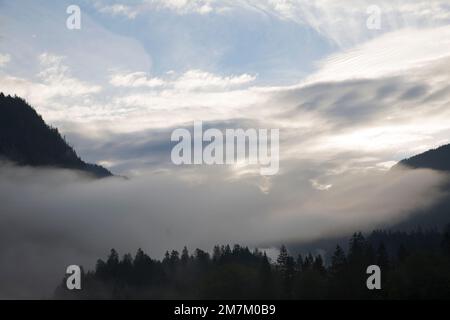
(26, 139)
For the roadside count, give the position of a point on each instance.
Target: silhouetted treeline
(26, 139)
(411, 272)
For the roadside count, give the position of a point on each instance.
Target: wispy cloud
(342, 24)
(135, 80)
(57, 78)
(394, 53)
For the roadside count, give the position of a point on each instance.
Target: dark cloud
(146, 149)
(352, 103)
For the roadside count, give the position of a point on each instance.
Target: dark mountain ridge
(436, 159)
(26, 139)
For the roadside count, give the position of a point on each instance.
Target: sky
(138, 69)
(349, 101)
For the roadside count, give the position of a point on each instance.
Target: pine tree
(356, 248)
(318, 265)
(184, 256)
(166, 259)
(174, 257)
(299, 262)
(282, 258)
(446, 240)
(217, 254)
(266, 279)
(382, 258)
(338, 274)
(338, 262)
(112, 263)
(307, 263)
(402, 253)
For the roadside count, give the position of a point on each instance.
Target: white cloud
(186, 6)
(142, 100)
(198, 79)
(386, 165)
(176, 107)
(188, 81)
(320, 186)
(119, 9)
(135, 80)
(179, 98)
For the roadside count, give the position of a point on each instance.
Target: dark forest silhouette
(26, 139)
(414, 265)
